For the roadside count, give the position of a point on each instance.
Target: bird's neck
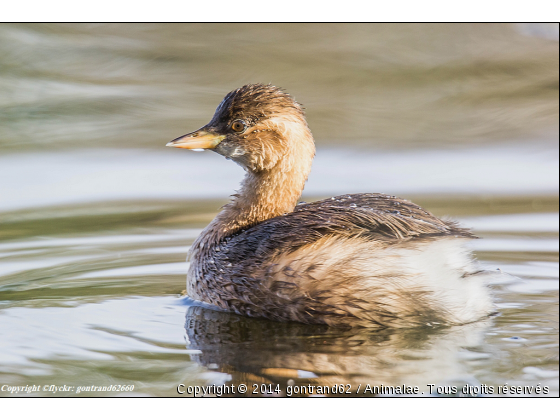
(262, 196)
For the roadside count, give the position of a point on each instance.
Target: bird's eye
(238, 126)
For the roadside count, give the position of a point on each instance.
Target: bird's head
(258, 126)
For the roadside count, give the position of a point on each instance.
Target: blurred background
(94, 210)
(397, 86)
(86, 109)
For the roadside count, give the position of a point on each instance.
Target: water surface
(96, 216)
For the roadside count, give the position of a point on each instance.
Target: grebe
(361, 259)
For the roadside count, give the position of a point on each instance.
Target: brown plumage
(360, 259)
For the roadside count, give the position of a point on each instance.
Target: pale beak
(199, 139)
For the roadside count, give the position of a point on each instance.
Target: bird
(355, 260)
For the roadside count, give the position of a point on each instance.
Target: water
(96, 216)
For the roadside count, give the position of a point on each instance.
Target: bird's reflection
(257, 351)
